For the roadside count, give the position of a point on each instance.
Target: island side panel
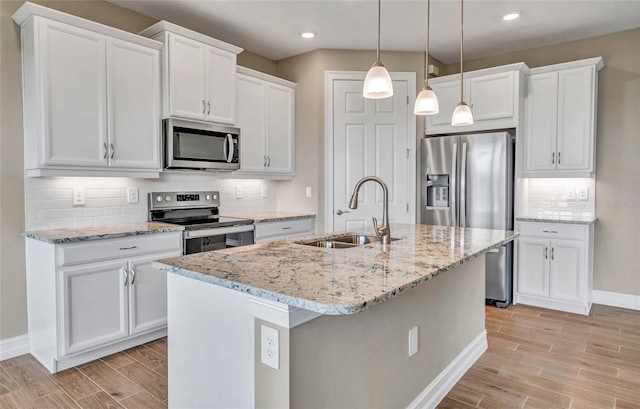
(362, 360)
(210, 345)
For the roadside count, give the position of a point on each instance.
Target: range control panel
(183, 200)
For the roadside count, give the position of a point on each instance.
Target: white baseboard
(621, 300)
(12, 347)
(438, 389)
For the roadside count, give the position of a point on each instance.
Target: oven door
(198, 241)
(195, 145)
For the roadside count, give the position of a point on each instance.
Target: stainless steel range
(198, 212)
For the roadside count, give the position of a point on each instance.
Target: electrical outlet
(413, 341)
(583, 193)
(270, 347)
(571, 193)
(132, 195)
(265, 191)
(239, 192)
(309, 191)
(78, 196)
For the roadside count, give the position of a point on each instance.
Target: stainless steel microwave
(200, 145)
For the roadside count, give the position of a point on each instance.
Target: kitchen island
(369, 326)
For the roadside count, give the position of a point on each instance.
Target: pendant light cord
(461, 47)
(378, 48)
(426, 53)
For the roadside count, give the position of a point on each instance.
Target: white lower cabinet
(554, 266)
(94, 298)
(284, 229)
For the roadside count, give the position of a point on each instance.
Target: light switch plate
(132, 195)
(270, 347)
(239, 192)
(413, 341)
(583, 193)
(265, 191)
(571, 193)
(79, 196)
(309, 191)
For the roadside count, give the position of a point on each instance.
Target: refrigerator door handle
(463, 187)
(454, 175)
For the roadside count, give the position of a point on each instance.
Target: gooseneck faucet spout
(383, 231)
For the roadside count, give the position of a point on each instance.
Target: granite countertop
(273, 216)
(566, 219)
(103, 232)
(339, 281)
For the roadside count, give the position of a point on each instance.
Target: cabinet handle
(553, 158)
(558, 158)
(113, 151)
(549, 231)
(552, 249)
(128, 248)
(125, 274)
(133, 275)
(204, 107)
(546, 252)
(106, 150)
(268, 161)
(208, 107)
(286, 228)
(264, 165)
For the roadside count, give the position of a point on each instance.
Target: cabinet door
(567, 270)
(147, 294)
(541, 119)
(576, 119)
(133, 78)
(187, 78)
(533, 266)
(252, 99)
(448, 97)
(280, 130)
(492, 96)
(221, 86)
(95, 305)
(74, 96)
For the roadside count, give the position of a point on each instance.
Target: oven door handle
(194, 234)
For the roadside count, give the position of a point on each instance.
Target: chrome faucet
(383, 231)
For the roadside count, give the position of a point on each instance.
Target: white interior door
(370, 138)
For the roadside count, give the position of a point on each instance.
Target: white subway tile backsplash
(49, 200)
(550, 197)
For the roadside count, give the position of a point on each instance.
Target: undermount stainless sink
(346, 241)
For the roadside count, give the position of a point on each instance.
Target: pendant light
(462, 115)
(377, 83)
(427, 101)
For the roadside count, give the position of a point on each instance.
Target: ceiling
(271, 28)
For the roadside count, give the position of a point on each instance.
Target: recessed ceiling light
(511, 16)
(308, 34)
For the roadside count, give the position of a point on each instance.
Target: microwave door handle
(230, 148)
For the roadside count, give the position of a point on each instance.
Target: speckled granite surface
(574, 219)
(97, 233)
(272, 217)
(339, 281)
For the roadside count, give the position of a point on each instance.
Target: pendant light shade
(377, 83)
(427, 101)
(462, 115)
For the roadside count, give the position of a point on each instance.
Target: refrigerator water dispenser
(437, 191)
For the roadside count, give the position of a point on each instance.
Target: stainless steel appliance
(198, 212)
(200, 145)
(467, 181)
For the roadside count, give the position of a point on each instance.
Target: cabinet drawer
(284, 228)
(554, 230)
(96, 250)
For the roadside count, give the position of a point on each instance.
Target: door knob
(339, 212)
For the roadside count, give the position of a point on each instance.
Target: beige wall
(13, 306)
(617, 235)
(308, 71)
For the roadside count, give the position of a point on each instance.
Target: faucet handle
(375, 226)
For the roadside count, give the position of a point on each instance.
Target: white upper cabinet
(560, 119)
(493, 95)
(199, 76)
(266, 122)
(91, 97)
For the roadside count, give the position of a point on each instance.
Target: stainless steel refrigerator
(467, 181)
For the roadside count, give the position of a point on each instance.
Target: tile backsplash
(555, 197)
(49, 200)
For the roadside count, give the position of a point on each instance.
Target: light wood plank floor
(537, 359)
